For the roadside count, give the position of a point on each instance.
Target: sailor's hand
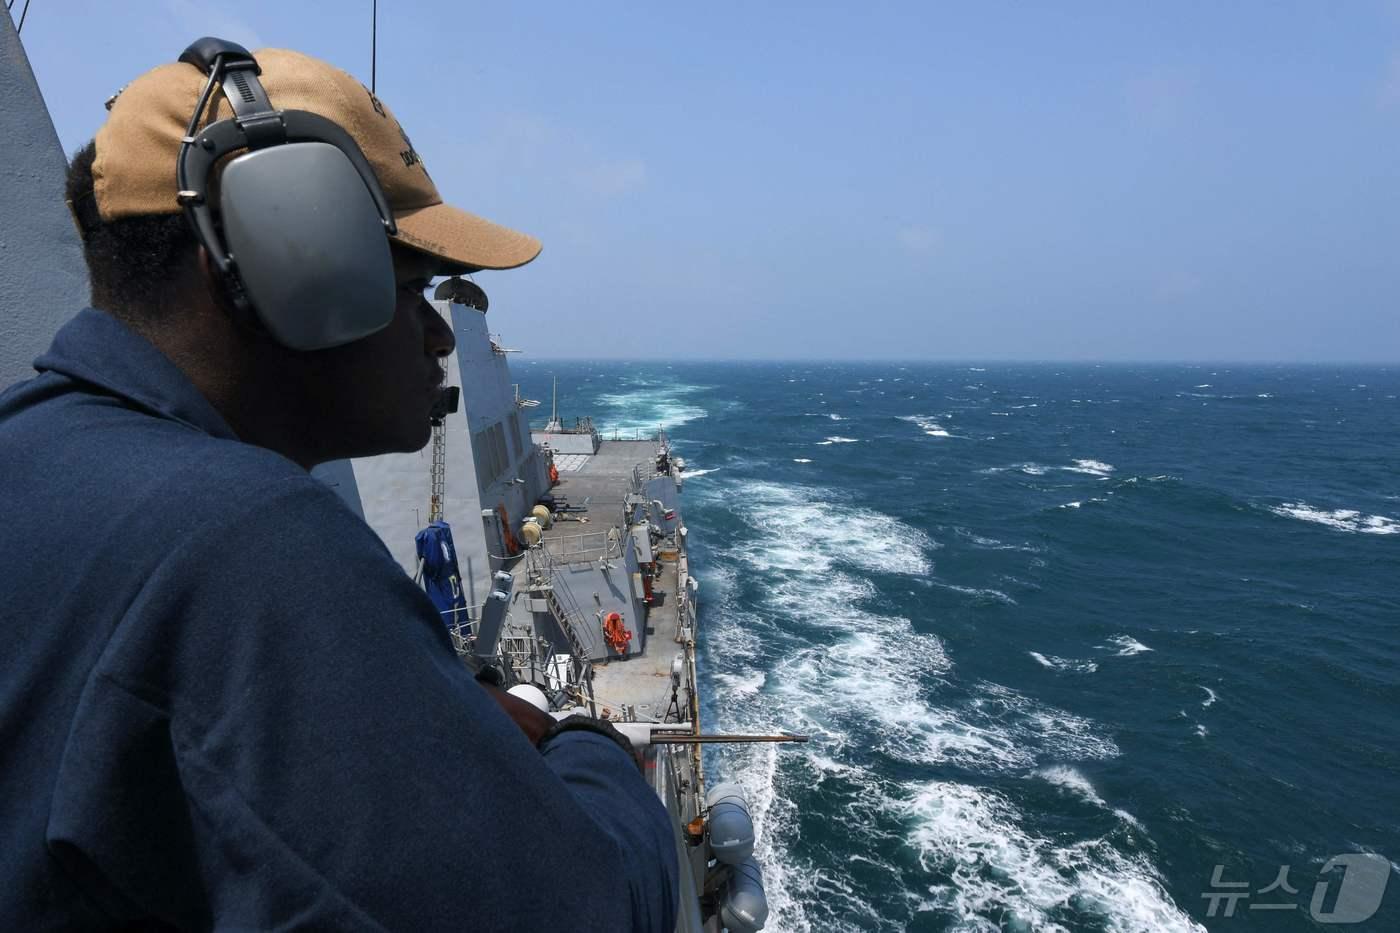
(531, 721)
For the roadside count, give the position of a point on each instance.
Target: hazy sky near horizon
(1107, 181)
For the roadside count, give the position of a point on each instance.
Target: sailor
(222, 703)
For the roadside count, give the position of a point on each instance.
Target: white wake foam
(818, 655)
(692, 474)
(647, 406)
(840, 687)
(806, 529)
(747, 683)
(1006, 877)
(1348, 520)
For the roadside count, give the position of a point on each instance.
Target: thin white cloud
(526, 144)
(1180, 285)
(920, 239)
(1390, 83)
(202, 18)
(608, 179)
(1161, 99)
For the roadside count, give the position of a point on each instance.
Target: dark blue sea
(1079, 647)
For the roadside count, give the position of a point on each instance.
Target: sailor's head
(285, 274)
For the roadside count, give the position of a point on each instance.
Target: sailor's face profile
(381, 388)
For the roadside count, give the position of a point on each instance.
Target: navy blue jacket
(223, 705)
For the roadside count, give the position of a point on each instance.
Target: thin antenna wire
(22, 14)
(373, 39)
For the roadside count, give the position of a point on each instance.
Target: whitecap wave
(979, 594)
(692, 474)
(1348, 520)
(927, 424)
(1065, 664)
(992, 544)
(1127, 646)
(1073, 781)
(1210, 696)
(837, 440)
(801, 460)
(1091, 467)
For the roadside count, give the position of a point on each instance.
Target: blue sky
(768, 180)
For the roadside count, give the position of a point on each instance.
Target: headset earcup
(308, 245)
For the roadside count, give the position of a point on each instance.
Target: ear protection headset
(301, 236)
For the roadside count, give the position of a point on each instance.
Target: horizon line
(528, 358)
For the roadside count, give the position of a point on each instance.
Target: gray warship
(558, 558)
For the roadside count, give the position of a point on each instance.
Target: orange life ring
(553, 475)
(616, 634)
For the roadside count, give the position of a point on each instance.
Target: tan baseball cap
(134, 172)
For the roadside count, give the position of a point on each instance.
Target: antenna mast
(554, 423)
(373, 40)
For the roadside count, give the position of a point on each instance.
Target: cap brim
(464, 242)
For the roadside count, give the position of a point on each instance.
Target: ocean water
(1077, 646)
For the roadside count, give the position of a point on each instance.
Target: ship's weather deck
(595, 487)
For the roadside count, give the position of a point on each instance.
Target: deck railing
(583, 548)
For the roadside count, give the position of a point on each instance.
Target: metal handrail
(587, 546)
(566, 611)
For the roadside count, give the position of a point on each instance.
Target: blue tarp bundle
(442, 581)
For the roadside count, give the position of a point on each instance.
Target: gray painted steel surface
(43, 281)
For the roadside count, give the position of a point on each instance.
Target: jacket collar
(96, 348)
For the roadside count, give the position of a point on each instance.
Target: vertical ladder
(438, 475)
(566, 623)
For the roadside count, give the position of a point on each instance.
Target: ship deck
(601, 481)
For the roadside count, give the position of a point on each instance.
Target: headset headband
(255, 125)
(301, 236)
